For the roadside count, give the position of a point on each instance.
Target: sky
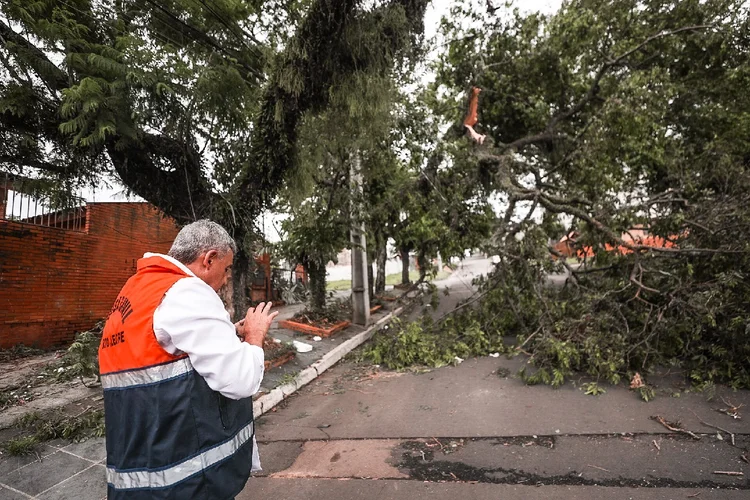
(439, 8)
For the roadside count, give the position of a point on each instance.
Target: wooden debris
(674, 427)
(636, 382)
(600, 468)
(656, 445)
(744, 458)
(728, 473)
(694, 494)
(731, 410)
(731, 434)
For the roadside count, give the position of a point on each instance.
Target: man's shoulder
(191, 285)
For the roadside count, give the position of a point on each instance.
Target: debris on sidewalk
(636, 382)
(720, 437)
(674, 426)
(597, 467)
(731, 410)
(728, 473)
(301, 346)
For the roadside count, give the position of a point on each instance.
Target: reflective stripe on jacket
(169, 436)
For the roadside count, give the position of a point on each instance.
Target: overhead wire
(203, 38)
(231, 28)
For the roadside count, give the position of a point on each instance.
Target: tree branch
(34, 163)
(49, 73)
(608, 65)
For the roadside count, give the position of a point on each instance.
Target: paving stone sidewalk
(60, 471)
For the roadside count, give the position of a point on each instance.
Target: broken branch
(600, 468)
(671, 427)
(731, 434)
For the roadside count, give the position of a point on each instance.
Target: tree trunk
(382, 257)
(423, 264)
(370, 278)
(404, 265)
(316, 275)
(240, 289)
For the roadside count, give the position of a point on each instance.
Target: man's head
(206, 249)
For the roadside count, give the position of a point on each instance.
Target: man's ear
(210, 258)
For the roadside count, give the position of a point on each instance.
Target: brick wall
(56, 282)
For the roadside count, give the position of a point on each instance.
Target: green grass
(37, 428)
(25, 445)
(391, 279)
(338, 285)
(288, 378)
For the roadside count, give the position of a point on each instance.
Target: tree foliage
(194, 105)
(604, 118)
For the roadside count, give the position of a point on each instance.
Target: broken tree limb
(731, 434)
(732, 410)
(728, 473)
(671, 427)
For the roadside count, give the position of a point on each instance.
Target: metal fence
(20, 203)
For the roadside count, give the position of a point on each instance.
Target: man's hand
(256, 323)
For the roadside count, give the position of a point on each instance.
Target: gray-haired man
(177, 379)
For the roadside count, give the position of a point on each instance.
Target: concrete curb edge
(266, 402)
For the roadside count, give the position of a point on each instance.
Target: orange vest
(168, 434)
(128, 341)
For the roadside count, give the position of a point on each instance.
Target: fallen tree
(600, 119)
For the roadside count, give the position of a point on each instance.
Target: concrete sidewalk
(357, 489)
(470, 431)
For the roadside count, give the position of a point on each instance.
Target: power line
(206, 37)
(231, 28)
(202, 38)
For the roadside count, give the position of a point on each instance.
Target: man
(178, 376)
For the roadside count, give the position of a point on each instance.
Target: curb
(264, 403)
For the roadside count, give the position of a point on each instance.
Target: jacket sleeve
(193, 320)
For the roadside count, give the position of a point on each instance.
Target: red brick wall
(56, 282)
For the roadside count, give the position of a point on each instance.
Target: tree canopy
(195, 106)
(604, 119)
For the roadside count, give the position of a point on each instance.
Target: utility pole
(360, 288)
